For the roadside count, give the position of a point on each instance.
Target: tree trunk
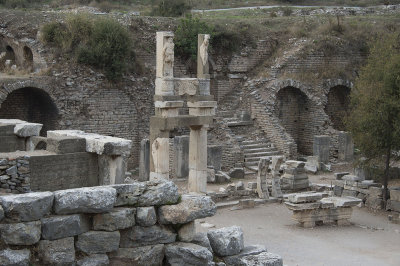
(386, 176)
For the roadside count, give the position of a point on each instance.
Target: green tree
(374, 120)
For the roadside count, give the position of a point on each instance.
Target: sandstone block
(249, 250)
(84, 200)
(27, 207)
(190, 208)
(201, 239)
(146, 216)
(187, 232)
(140, 256)
(57, 252)
(264, 258)
(64, 226)
(226, 241)
(159, 192)
(116, 219)
(187, 254)
(20, 233)
(128, 194)
(143, 236)
(94, 242)
(94, 260)
(9, 257)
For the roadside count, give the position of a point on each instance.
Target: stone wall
(15, 175)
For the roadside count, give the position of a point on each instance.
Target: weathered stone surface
(222, 177)
(305, 197)
(62, 145)
(187, 232)
(191, 207)
(27, 207)
(187, 254)
(337, 191)
(57, 252)
(342, 201)
(339, 176)
(1, 213)
(226, 241)
(375, 192)
(118, 218)
(393, 205)
(262, 259)
(394, 194)
(352, 178)
(94, 260)
(374, 203)
(210, 175)
(140, 256)
(159, 192)
(84, 200)
(237, 173)
(249, 250)
(27, 129)
(201, 239)
(146, 216)
(302, 206)
(252, 185)
(94, 242)
(143, 236)
(20, 233)
(9, 257)
(349, 193)
(64, 226)
(128, 194)
(240, 185)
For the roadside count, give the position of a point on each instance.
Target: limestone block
(197, 181)
(374, 203)
(158, 192)
(137, 236)
(187, 232)
(144, 160)
(211, 175)
(140, 256)
(295, 164)
(164, 86)
(57, 227)
(237, 173)
(264, 258)
(248, 250)
(393, 205)
(94, 260)
(321, 148)
(240, 185)
(57, 252)
(337, 191)
(376, 192)
(27, 207)
(345, 147)
(62, 145)
(159, 153)
(342, 201)
(187, 254)
(252, 185)
(349, 193)
(246, 203)
(84, 200)
(201, 239)
(146, 216)
(9, 257)
(181, 156)
(204, 86)
(222, 177)
(20, 233)
(395, 194)
(187, 86)
(112, 169)
(353, 178)
(339, 176)
(226, 241)
(27, 129)
(190, 208)
(214, 156)
(96, 143)
(302, 206)
(94, 242)
(116, 219)
(305, 197)
(128, 194)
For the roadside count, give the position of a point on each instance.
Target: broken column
(144, 160)
(294, 177)
(181, 156)
(346, 147)
(276, 185)
(262, 186)
(321, 148)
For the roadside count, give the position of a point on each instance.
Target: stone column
(160, 156)
(321, 148)
(198, 159)
(181, 156)
(346, 147)
(144, 160)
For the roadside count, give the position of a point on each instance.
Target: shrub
(171, 8)
(287, 11)
(54, 33)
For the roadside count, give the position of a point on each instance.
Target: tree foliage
(375, 116)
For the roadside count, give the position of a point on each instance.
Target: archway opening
(28, 57)
(337, 106)
(292, 107)
(10, 55)
(32, 105)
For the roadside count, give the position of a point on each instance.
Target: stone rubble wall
(15, 175)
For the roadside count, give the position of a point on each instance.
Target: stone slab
(342, 201)
(57, 227)
(62, 145)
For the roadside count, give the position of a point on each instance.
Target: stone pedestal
(321, 148)
(181, 156)
(198, 159)
(346, 147)
(160, 156)
(111, 169)
(144, 160)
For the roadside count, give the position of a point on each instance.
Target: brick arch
(281, 84)
(337, 106)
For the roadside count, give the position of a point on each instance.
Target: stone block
(27, 207)
(247, 203)
(158, 192)
(9, 257)
(376, 192)
(252, 185)
(237, 173)
(187, 232)
(128, 194)
(187, 254)
(146, 216)
(84, 200)
(94, 260)
(201, 239)
(321, 147)
(144, 160)
(264, 258)
(248, 250)
(393, 205)
(337, 191)
(57, 252)
(6, 130)
(305, 197)
(240, 185)
(27, 129)
(214, 156)
(143, 236)
(211, 175)
(352, 178)
(339, 176)
(116, 219)
(349, 193)
(302, 206)
(62, 145)
(57, 227)
(190, 208)
(20, 233)
(222, 177)
(374, 203)
(295, 164)
(226, 241)
(395, 194)
(181, 156)
(95, 242)
(140, 256)
(342, 201)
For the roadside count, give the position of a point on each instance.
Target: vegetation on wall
(101, 42)
(171, 8)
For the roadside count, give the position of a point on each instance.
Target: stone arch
(10, 54)
(294, 111)
(33, 105)
(28, 57)
(337, 105)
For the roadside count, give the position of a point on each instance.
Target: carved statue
(168, 57)
(204, 49)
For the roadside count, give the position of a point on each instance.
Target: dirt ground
(370, 240)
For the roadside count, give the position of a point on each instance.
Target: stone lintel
(169, 123)
(188, 98)
(202, 104)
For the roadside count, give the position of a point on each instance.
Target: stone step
(251, 164)
(260, 154)
(251, 142)
(255, 146)
(257, 150)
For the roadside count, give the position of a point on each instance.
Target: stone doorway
(338, 106)
(33, 105)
